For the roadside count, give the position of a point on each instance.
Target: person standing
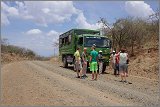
(116, 64)
(93, 63)
(113, 61)
(127, 67)
(78, 64)
(84, 61)
(100, 61)
(123, 57)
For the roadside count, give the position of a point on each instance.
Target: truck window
(70, 38)
(80, 41)
(60, 42)
(63, 42)
(66, 40)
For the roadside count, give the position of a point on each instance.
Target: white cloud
(53, 33)
(4, 19)
(23, 12)
(138, 9)
(46, 12)
(12, 11)
(41, 12)
(42, 42)
(5, 12)
(34, 32)
(82, 22)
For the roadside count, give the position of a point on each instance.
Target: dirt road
(46, 83)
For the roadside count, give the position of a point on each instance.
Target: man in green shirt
(93, 63)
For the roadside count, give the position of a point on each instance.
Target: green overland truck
(69, 41)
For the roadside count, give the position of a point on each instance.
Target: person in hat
(100, 62)
(113, 61)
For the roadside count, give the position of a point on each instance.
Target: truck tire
(104, 68)
(65, 64)
(88, 69)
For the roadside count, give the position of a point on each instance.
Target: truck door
(80, 43)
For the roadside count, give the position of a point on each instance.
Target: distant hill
(10, 53)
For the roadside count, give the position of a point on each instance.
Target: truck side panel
(68, 50)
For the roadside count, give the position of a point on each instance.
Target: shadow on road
(88, 72)
(69, 67)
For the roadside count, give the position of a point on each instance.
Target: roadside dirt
(8, 58)
(47, 83)
(145, 64)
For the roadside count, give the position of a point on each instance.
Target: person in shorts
(113, 61)
(127, 67)
(123, 57)
(78, 64)
(93, 63)
(84, 62)
(116, 64)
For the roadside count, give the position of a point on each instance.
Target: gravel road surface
(48, 83)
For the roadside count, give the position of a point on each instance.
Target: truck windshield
(100, 42)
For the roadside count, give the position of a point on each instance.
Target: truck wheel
(104, 68)
(65, 64)
(88, 69)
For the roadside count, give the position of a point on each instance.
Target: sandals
(125, 81)
(121, 81)
(78, 77)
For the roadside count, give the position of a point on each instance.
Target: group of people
(81, 63)
(119, 63)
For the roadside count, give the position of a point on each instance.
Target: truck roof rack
(76, 30)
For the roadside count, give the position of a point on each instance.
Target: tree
(105, 28)
(132, 32)
(119, 31)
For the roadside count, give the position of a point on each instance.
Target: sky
(36, 25)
